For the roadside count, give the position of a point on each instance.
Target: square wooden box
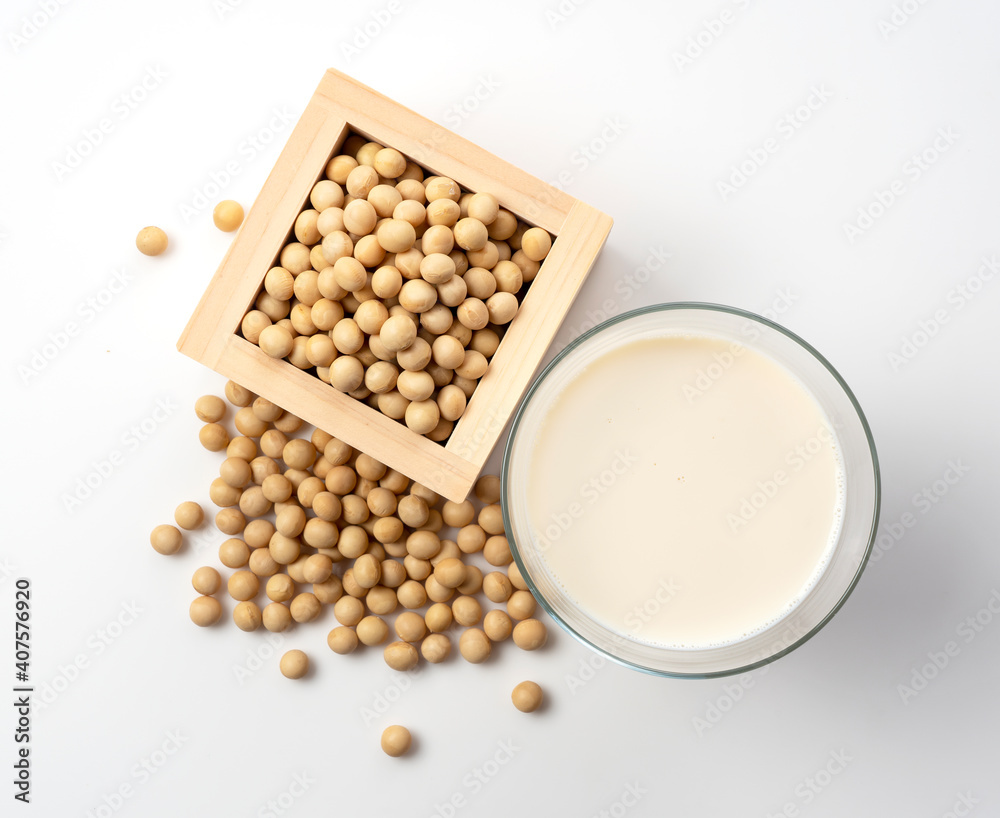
(341, 105)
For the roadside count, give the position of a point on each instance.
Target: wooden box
(341, 105)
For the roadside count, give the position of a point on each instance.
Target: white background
(549, 83)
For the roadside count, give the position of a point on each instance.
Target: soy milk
(685, 491)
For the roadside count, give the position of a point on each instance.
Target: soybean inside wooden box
(341, 106)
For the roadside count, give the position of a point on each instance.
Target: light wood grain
(348, 419)
(339, 105)
(263, 233)
(443, 152)
(523, 347)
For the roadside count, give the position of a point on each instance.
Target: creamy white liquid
(685, 491)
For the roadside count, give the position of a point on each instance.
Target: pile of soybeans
(313, 522)
(396, 287)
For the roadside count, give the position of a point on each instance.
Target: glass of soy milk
(690, 489)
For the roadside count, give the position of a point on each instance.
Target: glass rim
(668, 307)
